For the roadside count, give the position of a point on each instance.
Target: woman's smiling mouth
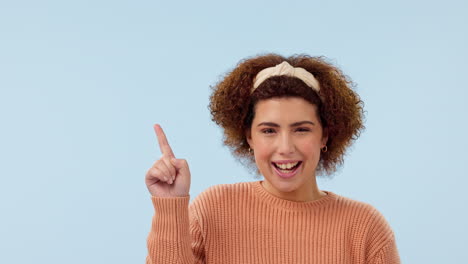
(286, 169)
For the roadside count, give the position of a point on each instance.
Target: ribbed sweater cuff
(169, 237)
(171, 219)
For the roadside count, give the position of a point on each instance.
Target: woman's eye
(267, 131)
(302, 129)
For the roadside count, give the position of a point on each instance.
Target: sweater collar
(288, 204)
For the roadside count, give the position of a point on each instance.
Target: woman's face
(286, 137)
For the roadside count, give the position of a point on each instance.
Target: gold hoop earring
(325, 149)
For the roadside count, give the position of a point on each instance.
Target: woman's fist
(168, 177)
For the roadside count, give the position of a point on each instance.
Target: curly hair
(340, 109)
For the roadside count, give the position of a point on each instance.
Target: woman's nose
(286, 144)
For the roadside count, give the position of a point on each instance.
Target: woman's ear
(324, 136)
(248, 137)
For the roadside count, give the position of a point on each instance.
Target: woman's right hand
(168, 177)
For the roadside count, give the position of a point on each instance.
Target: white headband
(285, 68)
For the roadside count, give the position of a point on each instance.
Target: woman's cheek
(310, 148)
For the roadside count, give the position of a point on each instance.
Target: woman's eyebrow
(271, 124)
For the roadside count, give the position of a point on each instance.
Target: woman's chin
(281, 185)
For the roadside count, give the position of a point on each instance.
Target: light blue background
(82, 83)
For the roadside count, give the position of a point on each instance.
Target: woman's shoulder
(220, 198)
(365, 215)
(223, 191)
(370, 224)
(365, 209)
(354, 204)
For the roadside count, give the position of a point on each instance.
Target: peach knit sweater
(243, 223)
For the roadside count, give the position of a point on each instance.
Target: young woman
(290, 119)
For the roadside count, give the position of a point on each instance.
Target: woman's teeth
(286, 166)
(287, 170)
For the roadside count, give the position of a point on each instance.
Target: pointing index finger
(162, 140)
